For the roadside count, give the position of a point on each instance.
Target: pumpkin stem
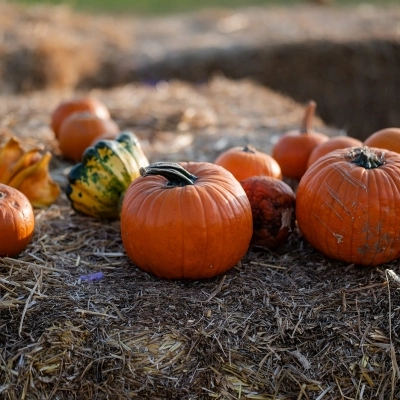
(249, 149)
(176, 175)
(366, 158)
(308, 118)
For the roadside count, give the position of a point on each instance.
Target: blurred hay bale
(57, 48)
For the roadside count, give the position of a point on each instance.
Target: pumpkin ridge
(383, 192)
(203, 193)
(232, 210)
(133, 200)
(209, 199)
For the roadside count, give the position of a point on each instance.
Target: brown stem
(308, 118)
(176, 174)
(366, 158)
(249, 149)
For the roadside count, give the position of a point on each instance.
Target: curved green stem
(176, 174)
(366, 158)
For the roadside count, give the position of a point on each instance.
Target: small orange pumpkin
(348, 205)
(334, 143)
(190, 221)
(244, 162)
(272, 204)
(79, 130)
(387, 138)
(85, 104)
(17, 221)
(294, 147)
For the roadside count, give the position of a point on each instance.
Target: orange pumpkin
(85, 104)
(388, 138)
(294, 147)
(79, 130)
(244, 162)
(334, 143)
(348, 205)
(188, 221)
(272, 204)
(105, 136)
(17, 221)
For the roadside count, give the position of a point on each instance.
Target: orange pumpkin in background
(334, 143)
(105, 136)
(78, 132)
(244, 162)
(348, 205)
(387, 138)
(185, 221)
(85, 104)
(294, 147)
(17, 221)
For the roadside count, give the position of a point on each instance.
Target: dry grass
(280, 325)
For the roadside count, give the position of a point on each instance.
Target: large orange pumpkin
(84, 104)
(348, 205)
(387, 138)
(17, 221)
(244, 162)
(189, 221)
(334, 143)
(79, 130)
(294, 147)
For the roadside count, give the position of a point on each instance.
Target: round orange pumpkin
(79, 130)
(17, 221)
(294, 147)
(348, 205)
(190, 220)
(244, 162)
(105, 136)
(272, 204)
(387, 138)
(334, 143)
(85, 104)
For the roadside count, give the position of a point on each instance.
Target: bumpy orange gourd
(272, 204)
(17, 221)
(84, 104)
(244, 162)
(348, 205)
(334, 143)
(294, 147)
(79, 130)
(387, 138)
(190, 221)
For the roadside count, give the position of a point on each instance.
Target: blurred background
(170, 6)
(344, 54)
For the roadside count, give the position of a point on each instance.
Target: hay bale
(79, 320)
